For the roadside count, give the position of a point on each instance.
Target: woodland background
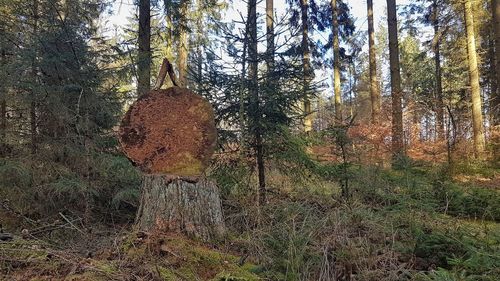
(391, 174)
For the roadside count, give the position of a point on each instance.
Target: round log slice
(169, 132)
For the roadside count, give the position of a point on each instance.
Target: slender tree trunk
(144, 57)
(183, 50)
(270, 35)
(396, 93)
(437, 61)
(3, 104)
(3, 123)
(477, 116)
(199, 67)
(495, 78)
(190, 208)
(374, 85)
(199, 47)
(306, 62)
(244, 86)
(336, 62)
(33, 104)
(495, 5)
(254, 93)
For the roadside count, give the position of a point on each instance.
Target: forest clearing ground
(399, 225)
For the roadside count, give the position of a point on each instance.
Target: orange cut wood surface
(170, 132)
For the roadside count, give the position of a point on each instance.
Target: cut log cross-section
(169, 131)
(170, 135)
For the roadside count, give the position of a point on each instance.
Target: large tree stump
(170, 135)
(191, 208)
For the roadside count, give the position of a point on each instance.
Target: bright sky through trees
(123, 9)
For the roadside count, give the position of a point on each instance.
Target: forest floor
(416, 223)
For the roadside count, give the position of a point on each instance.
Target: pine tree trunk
(270, 35)
(255, 99)
(33, 105)
(477, 116)
(495, 79)
(306, 62)
(496, 28)
(437, 61)
(336, 62)
(396, 94)
(374, 85)
(183, 48)
(3, 106)
(181, 206)
(3, 123)
(144, 57)
(199, 48)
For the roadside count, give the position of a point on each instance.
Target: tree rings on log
(169, 132)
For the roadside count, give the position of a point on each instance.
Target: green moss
(167, 274)
(186, 166)
(183, 259)
(234, 272)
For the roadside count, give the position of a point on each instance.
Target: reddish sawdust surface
(170, 132)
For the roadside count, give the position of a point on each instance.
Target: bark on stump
(178, 205)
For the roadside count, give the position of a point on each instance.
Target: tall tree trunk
(374, 85)
(199, 47)
(244, 86)
(3, 103)
(33, 103)
(254, 94)
(477, 116)
(3, 121)
(495, 78)
(336, 61)
(495, 5)
(190, 208)
(437, 61)
(396, 93)
(306, 64)
(270, 35)
(144, 57)
(183, 49)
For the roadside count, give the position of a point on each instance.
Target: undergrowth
(411, 223)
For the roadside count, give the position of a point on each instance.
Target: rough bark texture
(306, 62)
(176, 205)
(144, 56)
(336, 61)
(396, 94)
(169, 131)
(477, 116)
(374, 85)
(437, 61)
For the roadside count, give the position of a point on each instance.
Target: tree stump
(177, 205)
(170, 135)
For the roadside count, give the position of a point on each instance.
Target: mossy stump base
(188, 206)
